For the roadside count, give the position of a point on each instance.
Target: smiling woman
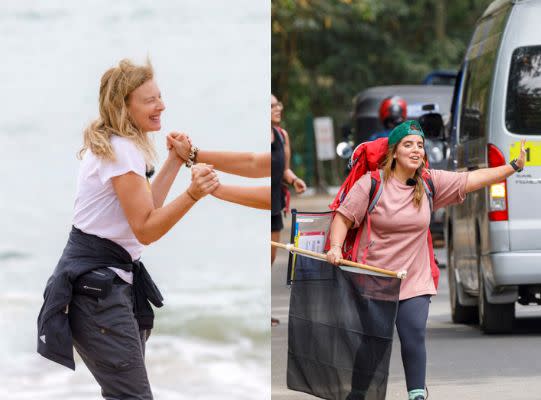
(395, 231)
(145, 106)
(126, 107)
(100, 291)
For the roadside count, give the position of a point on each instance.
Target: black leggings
(411, 327)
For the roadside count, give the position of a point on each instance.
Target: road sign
(324, 133)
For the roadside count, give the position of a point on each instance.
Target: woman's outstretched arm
(486, 176)
(247, 164)
(255, 196)
(250, 165)
(149, 223)
(161, 184)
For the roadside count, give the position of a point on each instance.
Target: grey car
(365, 113)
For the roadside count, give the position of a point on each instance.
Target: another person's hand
(521, 160)
(180, 143)
(334, 254)
(204, 181)
(299, 185)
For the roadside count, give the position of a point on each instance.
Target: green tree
(325, 51)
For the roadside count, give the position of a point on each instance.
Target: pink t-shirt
(399, 229)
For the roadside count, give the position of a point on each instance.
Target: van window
(476, 95)
(478, 75)
(522, 113)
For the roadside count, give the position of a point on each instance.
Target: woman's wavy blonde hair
(389, 164)
(117, 84)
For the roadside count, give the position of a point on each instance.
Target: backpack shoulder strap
(430, 193)
(376, 178)
(428, 185)
(431, 185)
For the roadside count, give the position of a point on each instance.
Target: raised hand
(521, 160)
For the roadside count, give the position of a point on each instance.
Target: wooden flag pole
(290, 247)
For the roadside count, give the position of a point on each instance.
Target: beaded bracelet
(192, 157)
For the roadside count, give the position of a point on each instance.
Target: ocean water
(212, 63)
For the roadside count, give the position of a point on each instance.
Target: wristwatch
(513, 163)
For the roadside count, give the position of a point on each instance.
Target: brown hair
(117, 83)
(389, 164)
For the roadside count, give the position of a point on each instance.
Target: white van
(494, 237)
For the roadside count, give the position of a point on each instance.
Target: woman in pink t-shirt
(399, 225)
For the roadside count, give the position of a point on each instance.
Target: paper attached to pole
(344, 264)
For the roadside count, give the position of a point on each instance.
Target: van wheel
(460, 314)
(494, 318)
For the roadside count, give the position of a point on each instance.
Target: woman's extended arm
(486, 176)
(339, 229)
(248, 164)
(161, 184)
(255, 196)
(149, 223)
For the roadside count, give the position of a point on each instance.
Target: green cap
(406, 128)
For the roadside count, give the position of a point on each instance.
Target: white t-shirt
(97, 210)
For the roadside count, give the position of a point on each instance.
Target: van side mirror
(344, 150)
(432, 125)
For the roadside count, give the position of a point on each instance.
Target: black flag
(341, 326)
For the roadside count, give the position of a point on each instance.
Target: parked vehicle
(365, 118)
(493, 238)
(428, 104)
(440, 77)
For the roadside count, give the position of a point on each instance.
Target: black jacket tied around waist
(84, 253)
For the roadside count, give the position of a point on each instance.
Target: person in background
(281, 173)
(392, 112)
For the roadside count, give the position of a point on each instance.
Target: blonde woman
(98, 296)
(247, 164)
(399, 225)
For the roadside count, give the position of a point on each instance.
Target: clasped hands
(204, 178)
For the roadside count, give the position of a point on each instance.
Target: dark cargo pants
(107, 337)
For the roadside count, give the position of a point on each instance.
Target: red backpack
(367, 157)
